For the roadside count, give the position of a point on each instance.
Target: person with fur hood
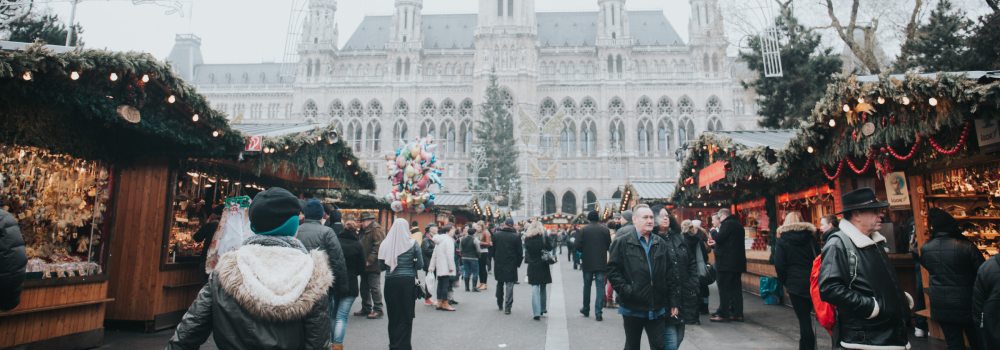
(271, 293)
(793, 258)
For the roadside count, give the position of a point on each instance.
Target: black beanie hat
(593, 216)
(272, 208)
(941, 221)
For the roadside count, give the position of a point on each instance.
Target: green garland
(44, 107)
(302, 151)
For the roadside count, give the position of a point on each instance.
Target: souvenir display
(971, 195)
(195, 195)
(59, 203)
(234, 227)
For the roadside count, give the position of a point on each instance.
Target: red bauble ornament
(840, 167)
(855, 169)
(953, 150)
(913, 150)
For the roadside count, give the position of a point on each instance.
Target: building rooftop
(653, 190)
(774, 139)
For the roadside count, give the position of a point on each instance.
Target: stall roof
(453, 199)
(270, 130)
(976, 74)
(774, 139)
(653, 190)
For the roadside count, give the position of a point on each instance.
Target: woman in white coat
(443, 264)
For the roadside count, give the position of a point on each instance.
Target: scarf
(397, 242)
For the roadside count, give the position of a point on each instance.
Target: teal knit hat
(275, 212)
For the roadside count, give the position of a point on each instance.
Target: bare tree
(865, 49)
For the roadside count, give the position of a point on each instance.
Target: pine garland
(302, 152)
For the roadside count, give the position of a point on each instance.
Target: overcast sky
(252, 31)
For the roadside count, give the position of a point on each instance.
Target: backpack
(826, 314)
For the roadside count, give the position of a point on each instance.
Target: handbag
(547, 255)
(418, 286)
(706, 272)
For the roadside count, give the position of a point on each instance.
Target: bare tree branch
(865, 52)
(911, 27)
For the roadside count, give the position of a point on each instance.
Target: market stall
(459, 205)
(81, 131)
(646, 192)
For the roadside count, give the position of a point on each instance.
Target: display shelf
(957, 196)
(977, 218)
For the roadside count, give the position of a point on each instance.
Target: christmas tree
(939, 45)
(494, 173)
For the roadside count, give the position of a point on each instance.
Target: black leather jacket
(855, 301)
(12, 261)
(986, 302)
(629, 273)
(952, 263)
(248, 316)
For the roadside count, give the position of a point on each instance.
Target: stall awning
(463, 200)
(653, 190)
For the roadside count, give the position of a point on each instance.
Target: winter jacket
(629, 274)
(952, 263)
(371, 239)
(730, 250)
(793, 256)
(470, 247)
(594, 242)
(314, 235)
(507, 255)
(624, 230)
(986, 302)
(271, 293)
(684, 266)
(407, 264)
(872, 310)
(337, 227)
(13, 261)
(538, 270)
(443, 260)
(354, 260)
(427, 249)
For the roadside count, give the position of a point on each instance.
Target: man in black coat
(507, 259)
(986, 302)
(13, 261)
(595, 239)
(951, 261)
(730, 262)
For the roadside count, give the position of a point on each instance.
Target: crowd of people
(293, 284)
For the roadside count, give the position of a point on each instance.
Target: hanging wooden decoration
(129, 113)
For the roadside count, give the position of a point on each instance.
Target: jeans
(730, 294)
(505, 295)
(399, 304)
(338, 310)
(633, 332)
(803, 311)
(538, 299)
(597, 278)
(443, 286)
(371, 291)
(470, 268)
(673, 335)
(953, 336)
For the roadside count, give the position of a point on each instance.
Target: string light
(810, 149)
(832, 122)
(145, 78)
(171, 99)
(932, 101)
(847, 108)
(906, 101)
(215, 133)
(881, 100)
(74, 75)
(861, 100)
(194, 118)
(26, 76)
(286, 147)
(113, 77)
(355, 173)
(349, 162)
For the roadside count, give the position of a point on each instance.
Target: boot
(336, 346)
(443, 306)
(466, 284)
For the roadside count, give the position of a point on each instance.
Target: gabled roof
(452, 199)
(554, 29)
(653, 190)
(776, 140)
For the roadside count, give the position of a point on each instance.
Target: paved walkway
(479, 325)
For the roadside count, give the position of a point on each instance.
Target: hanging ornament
(320, 162)
(913, 150)
(953, 150)
(129, 113)
(855, 169)
(74, 75)
(906, 101)
(832, 122)
(932, 101)
(881, 100)
(868, 129)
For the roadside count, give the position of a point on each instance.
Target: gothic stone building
(599, 98)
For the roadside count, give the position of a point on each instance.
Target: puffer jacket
(629, 274)
(283, 306)
(13, 261)
(872, 311)
(986, 302)
(315, 235)
(793, 256)
(354, 259)
(443, 260)
(684, 266)
(371, 239)
(952, 263)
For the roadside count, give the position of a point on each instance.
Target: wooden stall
(85, 134)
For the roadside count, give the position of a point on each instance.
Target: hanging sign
(988, 134)
(896, 190)
(129, 113)
(712, 173)
(254, 144)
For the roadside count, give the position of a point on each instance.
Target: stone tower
(707, 38)
(404, 47)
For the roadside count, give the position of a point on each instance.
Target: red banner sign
(254, 144)
(712, 173)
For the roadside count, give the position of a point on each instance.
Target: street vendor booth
(920, 141)
(460, 205)
(646, 192)
(84, 137)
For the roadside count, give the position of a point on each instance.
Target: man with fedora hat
(371, 238)
(857, 278)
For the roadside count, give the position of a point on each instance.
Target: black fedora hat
(861, 199)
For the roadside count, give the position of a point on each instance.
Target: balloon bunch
(412, 171)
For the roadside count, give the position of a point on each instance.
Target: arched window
(448, 108)
(685, 131)
(590, 201)
(716, 66)
(588, 131)
(547, 108)
(428, 129)
(309, 68)
(465, 110)
(567, 139)
(354, 134)
(664, 106)
(704, 64)
(645, 133)
(309, 110)
(427, 109)
(548, 203)
(588, 106)
(374, 109)
(714, 106)
(714, 124)
(373, 136)
(399, 67)
(569, 203)
(355, 109)
(644, 106)
(569, 106)
(510, 8)
(399, 133)
(407, 69)
(618, 62)
(401, 110)
(617, 134)
(545, 140)
(616, 107)
(448, 133)
(664, 137)
(685, 106)
(465, 137)
(611, 64)
(499, 8)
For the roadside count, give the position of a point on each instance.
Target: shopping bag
(431, 282)
(770, 290)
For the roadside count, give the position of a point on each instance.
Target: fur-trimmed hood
(798, 226)
(275, 278)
